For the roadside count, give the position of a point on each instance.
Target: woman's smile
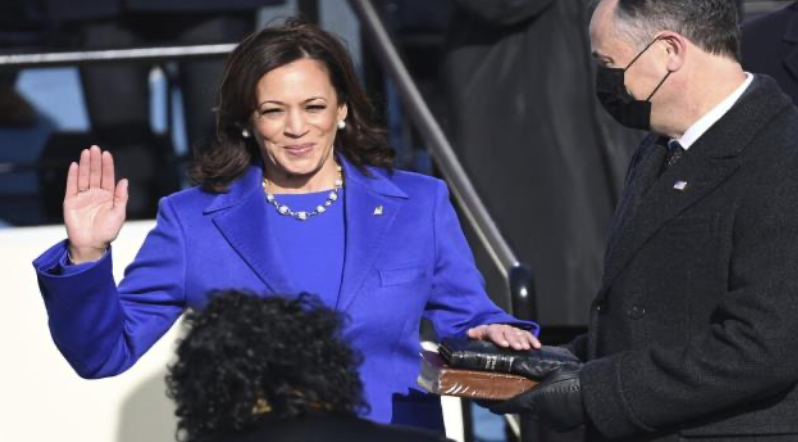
(299, 150)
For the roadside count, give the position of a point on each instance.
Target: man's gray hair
(712, 25)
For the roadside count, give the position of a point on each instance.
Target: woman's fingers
(72, 180)
(95, 170)
(497, 335)
(83, 171)
(505, 336)
(493, 332)
(108, 178)
(95, 167)
(121, 195)
(477, 332)
(515, 338)
(534, 341)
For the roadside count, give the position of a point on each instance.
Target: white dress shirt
(704, 123)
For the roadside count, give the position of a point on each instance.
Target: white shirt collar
(704, 123)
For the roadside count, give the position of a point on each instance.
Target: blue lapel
(240, 215)
(365, 231)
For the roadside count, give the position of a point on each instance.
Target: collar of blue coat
(377, 182)
(243, 224)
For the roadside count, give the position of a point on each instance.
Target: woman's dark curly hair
(243, 352)
(363, 142)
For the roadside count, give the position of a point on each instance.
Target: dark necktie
(675, 152)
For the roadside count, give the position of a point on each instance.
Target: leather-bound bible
(438, 378)
(486, 356)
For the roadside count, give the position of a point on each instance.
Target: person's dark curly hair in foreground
(246, 357)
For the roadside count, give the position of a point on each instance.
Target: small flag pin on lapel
(681, 186)
(378, 211)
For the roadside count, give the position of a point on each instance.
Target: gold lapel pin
(681, 186)
(378, 211)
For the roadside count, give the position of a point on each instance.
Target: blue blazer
(411, 262)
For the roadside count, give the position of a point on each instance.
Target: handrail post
(523, 295)
(438, 144)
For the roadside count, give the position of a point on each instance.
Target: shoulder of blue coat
(192, 198)
(412, 183)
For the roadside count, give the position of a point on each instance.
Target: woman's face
(296, 120)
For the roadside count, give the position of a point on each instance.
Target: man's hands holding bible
(557, 400)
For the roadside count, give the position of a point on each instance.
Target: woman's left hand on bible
(505, 336)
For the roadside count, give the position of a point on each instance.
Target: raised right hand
(94, 205)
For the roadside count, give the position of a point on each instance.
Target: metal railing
(55, 59)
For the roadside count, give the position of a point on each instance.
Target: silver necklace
(284, 210)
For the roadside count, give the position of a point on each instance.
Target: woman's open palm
(94, 205)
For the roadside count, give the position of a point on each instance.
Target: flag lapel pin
(681, 186)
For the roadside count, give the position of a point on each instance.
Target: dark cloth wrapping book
(486, 356)
(438, 378)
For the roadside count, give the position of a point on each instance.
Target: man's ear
(676, 47)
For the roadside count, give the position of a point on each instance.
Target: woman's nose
(295, 125)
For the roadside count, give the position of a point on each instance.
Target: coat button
(636, 312)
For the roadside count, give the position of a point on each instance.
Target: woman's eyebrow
(319, 97)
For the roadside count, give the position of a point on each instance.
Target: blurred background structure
(506, 84)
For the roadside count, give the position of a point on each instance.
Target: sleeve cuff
(518, 323)
(67, 267)
(604, 402)
(55, 263)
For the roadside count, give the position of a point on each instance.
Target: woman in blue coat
(296, 195)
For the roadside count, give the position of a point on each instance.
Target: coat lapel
(791, 36)
(708, 163)
(643, 176)
(372, 204)
(663, 202)
(240, 215)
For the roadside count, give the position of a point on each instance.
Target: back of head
(711, 25)
(245, 357)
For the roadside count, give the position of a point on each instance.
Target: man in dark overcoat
(770, 46)
(694, 333)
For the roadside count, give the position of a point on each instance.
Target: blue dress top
(311, 251)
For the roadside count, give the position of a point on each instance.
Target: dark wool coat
(695, 330)
(770, 46)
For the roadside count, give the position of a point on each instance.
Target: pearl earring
(245, 133)
(342, 125)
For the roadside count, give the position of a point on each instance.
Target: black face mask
(612, 93)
